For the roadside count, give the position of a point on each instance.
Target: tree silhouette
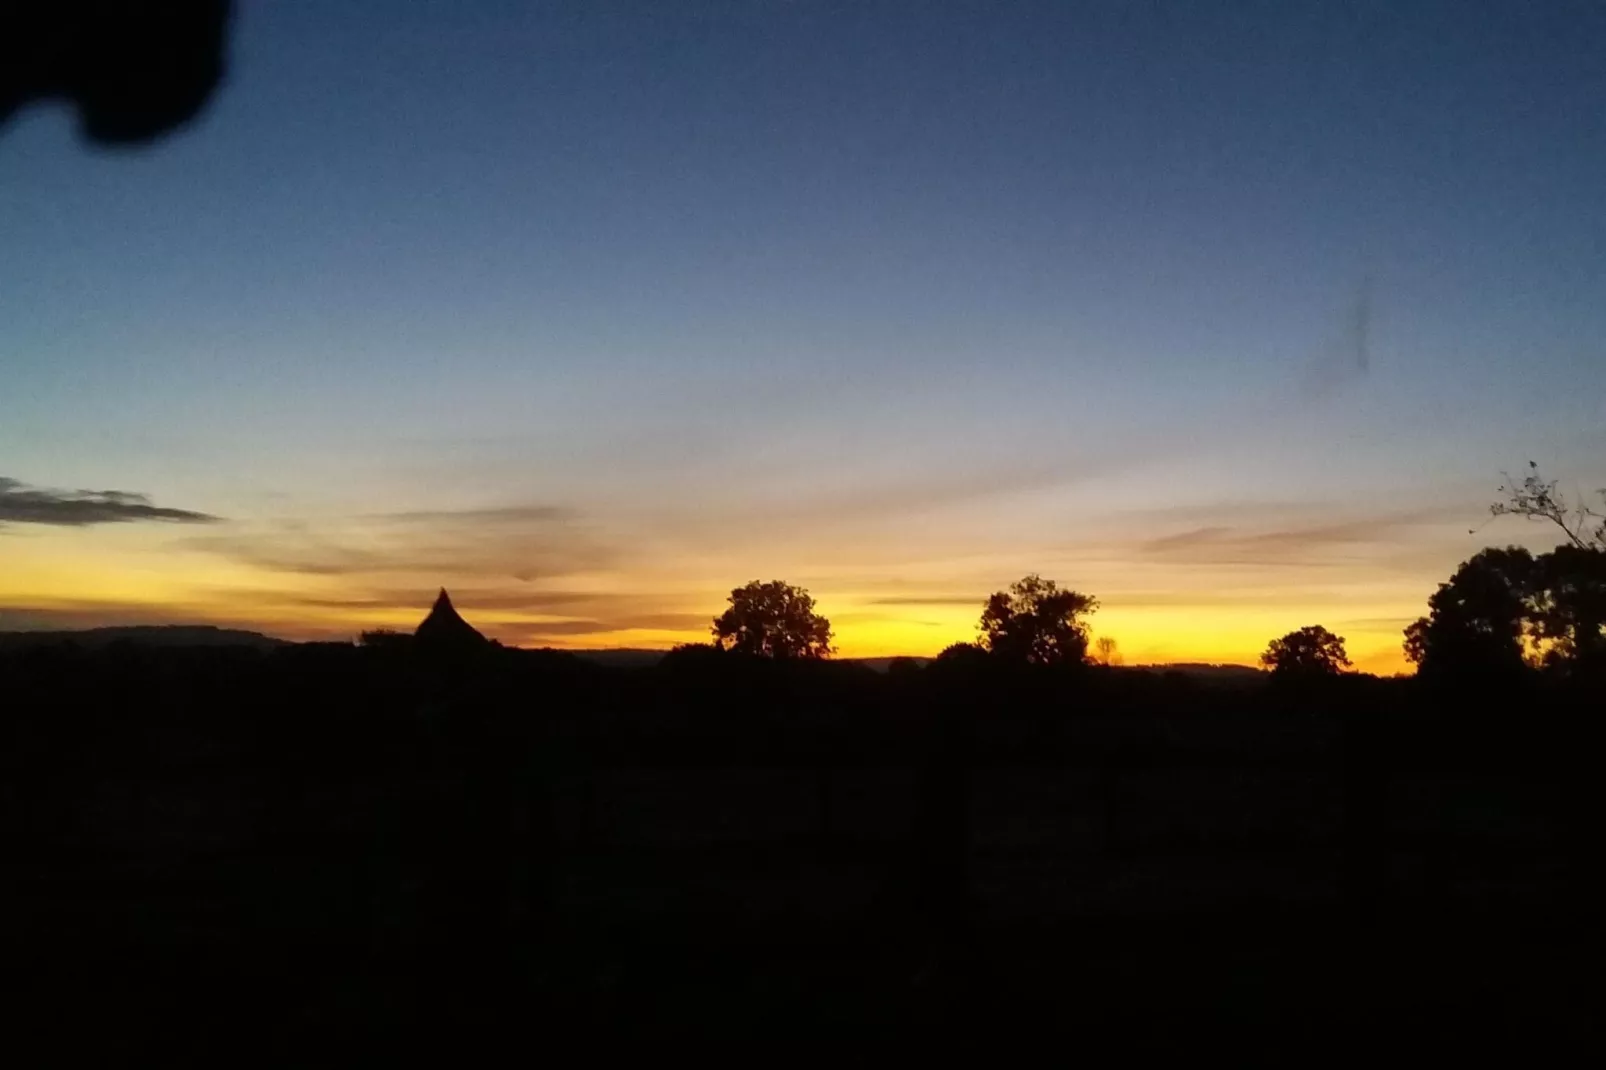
(773, 620)
(903, 667)
(1310, 651)
(958, 651)
(1476, 621)
(1038, 622)
(1536, 498)
(691, 658)
(1567, 608)
(1107, 652)
(385, 639)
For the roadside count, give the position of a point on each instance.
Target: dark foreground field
(277, 855)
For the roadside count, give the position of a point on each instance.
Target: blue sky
(882, 296)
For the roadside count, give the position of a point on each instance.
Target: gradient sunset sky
(1229, 314)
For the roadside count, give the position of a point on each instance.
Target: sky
(1229, 314)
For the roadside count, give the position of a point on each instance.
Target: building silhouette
(445, 629)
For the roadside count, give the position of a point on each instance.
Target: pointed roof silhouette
(444, 627)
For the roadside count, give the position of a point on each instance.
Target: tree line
(1035, 621)
(1505, 611)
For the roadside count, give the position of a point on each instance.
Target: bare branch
(1536, 498)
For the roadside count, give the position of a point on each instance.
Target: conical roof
(444, 627)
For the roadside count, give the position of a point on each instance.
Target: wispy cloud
(1278, 596)
(288, 548)
(966, 599)
(534, 602)
(1186, 540)
(1220, 544)
(512, 514)
(1376, 624)
(652, 622)
(21, 503)
(69, 616)
(525, 542)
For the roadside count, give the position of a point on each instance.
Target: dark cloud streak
(21, 503)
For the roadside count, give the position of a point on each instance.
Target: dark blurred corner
(134, 71)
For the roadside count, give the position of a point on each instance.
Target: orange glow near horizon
(1214, 594)
(62, 587)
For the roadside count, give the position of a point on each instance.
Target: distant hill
(206, 635)
(881, 664)
(633, 658)
(1206, 672)
(169, 635)
(622, 657)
